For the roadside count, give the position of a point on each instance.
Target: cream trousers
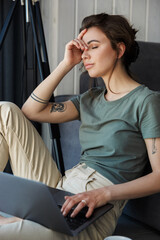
(30, 158)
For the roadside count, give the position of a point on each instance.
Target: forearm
(46, 89)
(38, 102)
(140, 187)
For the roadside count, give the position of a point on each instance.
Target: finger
(78, 209)
(81, 34)
(66, 197)
(68, 205)
(75, 43)
(81, 43)
(90, 211)
(65, 203)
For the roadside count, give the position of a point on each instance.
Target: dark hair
(117, 29)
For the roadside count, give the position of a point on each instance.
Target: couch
(141, 217)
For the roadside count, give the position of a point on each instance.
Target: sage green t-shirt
(112, 133)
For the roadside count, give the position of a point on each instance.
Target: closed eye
(94, 47)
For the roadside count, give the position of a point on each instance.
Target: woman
(119, 126)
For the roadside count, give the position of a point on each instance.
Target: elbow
(30, 113)
(156, 180)
(27, 112)
(156, 173)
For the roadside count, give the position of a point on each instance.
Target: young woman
(120, 125)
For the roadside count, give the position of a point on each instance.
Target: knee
(8, 106)
(8, 109)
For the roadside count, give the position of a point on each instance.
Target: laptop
(40, 203)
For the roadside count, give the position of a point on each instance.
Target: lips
(88, 65)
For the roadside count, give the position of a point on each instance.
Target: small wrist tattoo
(37, 99)
(58, 107)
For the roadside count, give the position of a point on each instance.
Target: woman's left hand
(92, 199)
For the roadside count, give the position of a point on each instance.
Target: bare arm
(146, 185)
(140, 187)
(37, 107)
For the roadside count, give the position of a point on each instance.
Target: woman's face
(100, 57)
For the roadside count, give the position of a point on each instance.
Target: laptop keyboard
(78, 220)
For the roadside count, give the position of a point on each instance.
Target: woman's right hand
(74, 50)
(93, 199)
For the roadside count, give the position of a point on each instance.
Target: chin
(93, 75)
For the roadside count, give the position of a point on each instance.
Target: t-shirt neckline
(122, 98)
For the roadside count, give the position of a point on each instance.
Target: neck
(119, 84)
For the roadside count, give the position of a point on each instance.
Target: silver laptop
(37, 202)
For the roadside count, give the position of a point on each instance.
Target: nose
(85, 54)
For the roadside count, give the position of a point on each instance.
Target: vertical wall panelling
(139, 17)
(122, 7)
(95, 6)
(130, 10)
(146, 25)
(104, 6)
(154, 21)
(50, 24)
(66, 25)
(83, 9)
(113, 6)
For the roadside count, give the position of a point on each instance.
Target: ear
(121, 49)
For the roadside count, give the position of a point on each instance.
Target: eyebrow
(93, 41)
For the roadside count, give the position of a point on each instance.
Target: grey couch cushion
(69, 138)
(147, 66)
(135, 230)
(146, 210)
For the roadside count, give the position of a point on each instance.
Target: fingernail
(64, 213)
(72, 215)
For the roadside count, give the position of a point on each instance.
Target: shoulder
(149, 104)
(145, 95)
(149, 96)
(87, 97)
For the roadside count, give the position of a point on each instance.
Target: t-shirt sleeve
(150, 116)
(76, 101)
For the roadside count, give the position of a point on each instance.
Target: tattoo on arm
(154, 149)
(37, 99)
(58, 107)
